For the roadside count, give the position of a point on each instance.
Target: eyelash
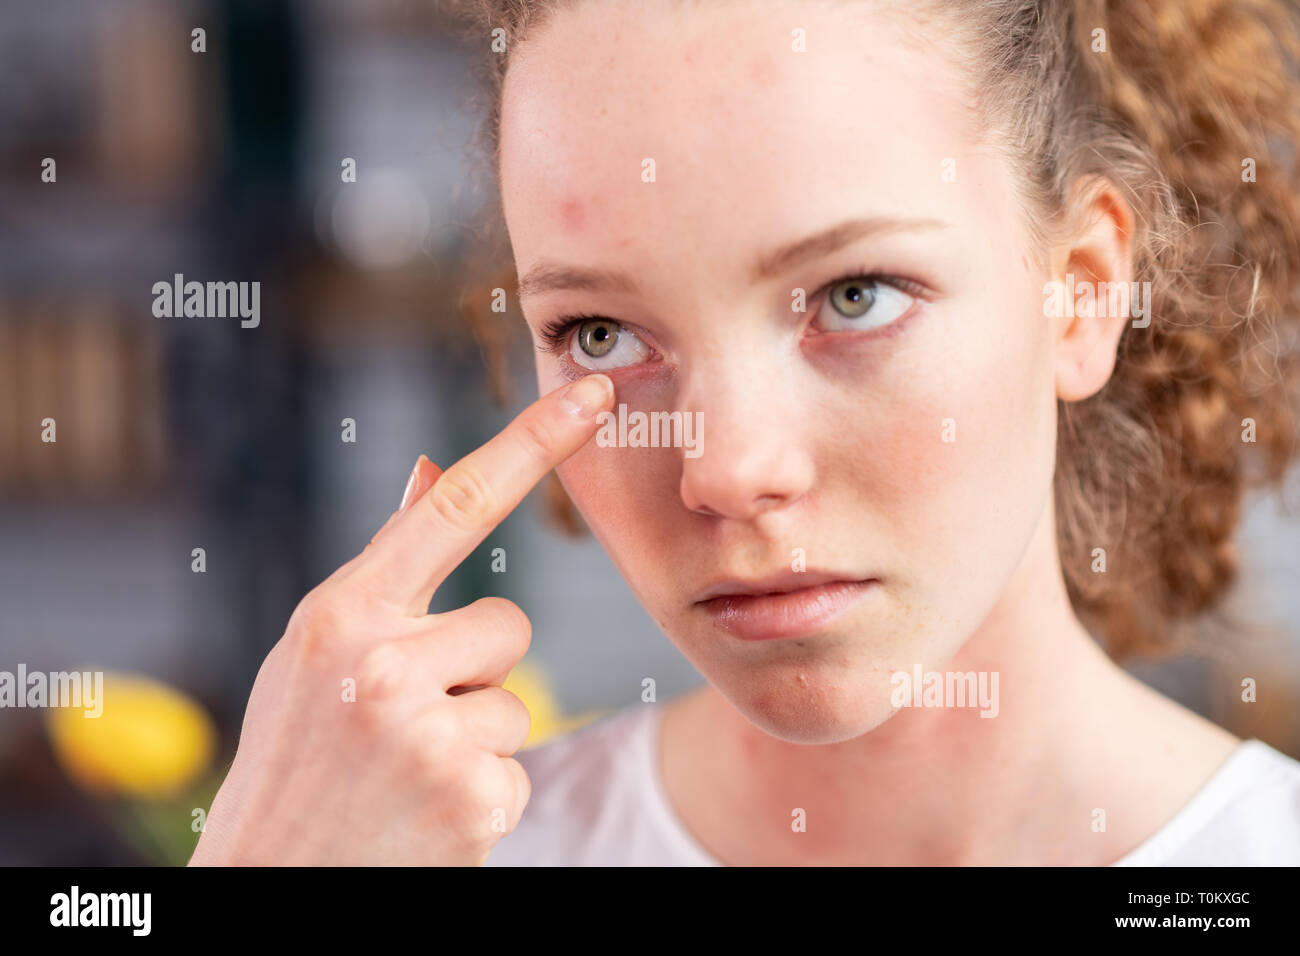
(556, 333)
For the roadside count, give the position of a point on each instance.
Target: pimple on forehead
(688, 52)
(572, 214)
(762, 71)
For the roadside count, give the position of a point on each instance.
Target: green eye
(596, 343)
(597, 337)
(853, 299)
(860, 303)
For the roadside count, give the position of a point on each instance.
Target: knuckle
(506, 617)
(381, 671)
(523, 783)
(462, 497)
(472, 829)
(513, 710)
(537, 437)
(525, 716)
(475, 811)
(433, 737)
(316, 621)
(374, 722)
(479, 793)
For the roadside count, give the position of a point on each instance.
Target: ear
(1092, 270)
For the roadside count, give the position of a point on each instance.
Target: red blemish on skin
(688, 53)
(572, 215)
(762, 71)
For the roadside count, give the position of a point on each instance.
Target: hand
(417, 770)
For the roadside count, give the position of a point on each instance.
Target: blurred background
(220, 156)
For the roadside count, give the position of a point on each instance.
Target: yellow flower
(150, 741)
(531, 685)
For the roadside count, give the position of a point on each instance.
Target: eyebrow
(550, 277)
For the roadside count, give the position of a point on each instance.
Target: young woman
(983, 310)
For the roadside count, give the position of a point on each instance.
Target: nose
(753, 458)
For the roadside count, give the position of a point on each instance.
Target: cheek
(598, 484)
(629, 498)
(964, 458)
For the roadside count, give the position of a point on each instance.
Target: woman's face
(667, 171)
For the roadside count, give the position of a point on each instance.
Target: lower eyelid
(888, 330)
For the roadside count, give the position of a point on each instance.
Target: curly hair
(1191, 109)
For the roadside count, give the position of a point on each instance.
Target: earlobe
(1090, 296)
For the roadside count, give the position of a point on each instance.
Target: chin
(806, 705)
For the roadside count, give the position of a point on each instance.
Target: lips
(785, 605)
(780, 583)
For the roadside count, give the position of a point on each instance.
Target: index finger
(441, 528)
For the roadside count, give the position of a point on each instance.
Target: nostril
(753, 475)
(757, 506)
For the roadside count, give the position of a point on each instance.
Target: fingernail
(587, 395)
(410, 484)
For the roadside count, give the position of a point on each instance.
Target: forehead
(750, 139)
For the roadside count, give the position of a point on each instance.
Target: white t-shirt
(598, 801)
